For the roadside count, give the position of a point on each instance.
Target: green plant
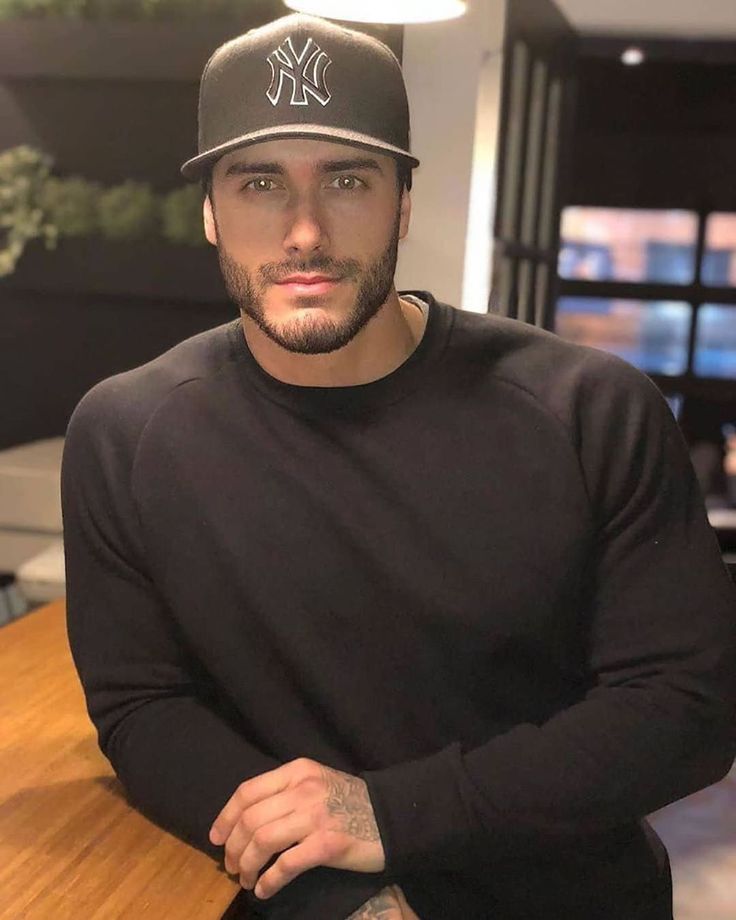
(35, 204)
(23, 174)
(71, 205)
(128, 211)
(181, 216)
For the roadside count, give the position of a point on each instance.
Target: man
(404, 611)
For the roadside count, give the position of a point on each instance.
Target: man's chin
(284, 298)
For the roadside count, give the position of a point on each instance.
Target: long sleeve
(659, 615)
(177, 747)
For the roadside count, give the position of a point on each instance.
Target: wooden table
(71, 848)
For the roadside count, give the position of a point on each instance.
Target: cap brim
(194, 168)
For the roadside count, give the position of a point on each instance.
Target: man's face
(300, 206)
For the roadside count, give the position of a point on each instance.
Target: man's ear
(210, 229)
(405, 213)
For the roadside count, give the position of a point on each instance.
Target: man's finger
(310, 853)
(269, 840)
(247, 794)
(271, 809)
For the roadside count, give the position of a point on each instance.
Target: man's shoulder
(124, 401)
(558, 373)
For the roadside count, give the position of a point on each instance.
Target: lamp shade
(383, 11)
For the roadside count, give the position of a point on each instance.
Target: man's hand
(311, 814)
(389, 904)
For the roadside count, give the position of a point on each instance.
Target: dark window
(631, 285)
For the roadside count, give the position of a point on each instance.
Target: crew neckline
(392, 387)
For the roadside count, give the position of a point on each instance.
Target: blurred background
(577, 174)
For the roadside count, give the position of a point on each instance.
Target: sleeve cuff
(318, 894)
(423, 811)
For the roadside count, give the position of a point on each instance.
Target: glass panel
(534, 155)
(551, 150)
(503, 268)
(514, 138)
(526, 280)
(540, 296)
(615, 244)
(719, 258)
(715, 341)
(651, 335)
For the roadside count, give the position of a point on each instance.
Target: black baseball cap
(301, 76)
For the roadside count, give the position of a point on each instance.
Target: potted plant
(124, 240)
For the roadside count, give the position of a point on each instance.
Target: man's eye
(259, 185)
(348, 183)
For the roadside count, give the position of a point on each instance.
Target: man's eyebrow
(354, 163)
(236, 169)
(329, 166)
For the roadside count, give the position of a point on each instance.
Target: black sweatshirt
(485, 583)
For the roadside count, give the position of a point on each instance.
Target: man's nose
(305, 229)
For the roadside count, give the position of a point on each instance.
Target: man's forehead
(306, 151)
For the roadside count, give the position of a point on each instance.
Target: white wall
(453, 78)
(683, 18)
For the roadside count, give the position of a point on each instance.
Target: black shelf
(112, 49)
(149, 269)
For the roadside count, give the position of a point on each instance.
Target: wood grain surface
(71, 848)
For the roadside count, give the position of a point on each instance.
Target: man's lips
(307, 279)
(309, 284)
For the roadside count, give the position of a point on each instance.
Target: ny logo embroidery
(306, 72)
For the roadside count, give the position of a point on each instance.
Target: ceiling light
(632, 57)
(384, 11)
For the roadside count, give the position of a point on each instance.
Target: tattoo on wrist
(348, 799)
(380, 907)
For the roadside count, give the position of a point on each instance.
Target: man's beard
(308, 337)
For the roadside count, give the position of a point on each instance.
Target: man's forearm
(406, 911)
(389, 904)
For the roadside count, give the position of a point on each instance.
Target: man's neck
(415, 319)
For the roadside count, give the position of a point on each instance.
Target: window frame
(697, 294)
